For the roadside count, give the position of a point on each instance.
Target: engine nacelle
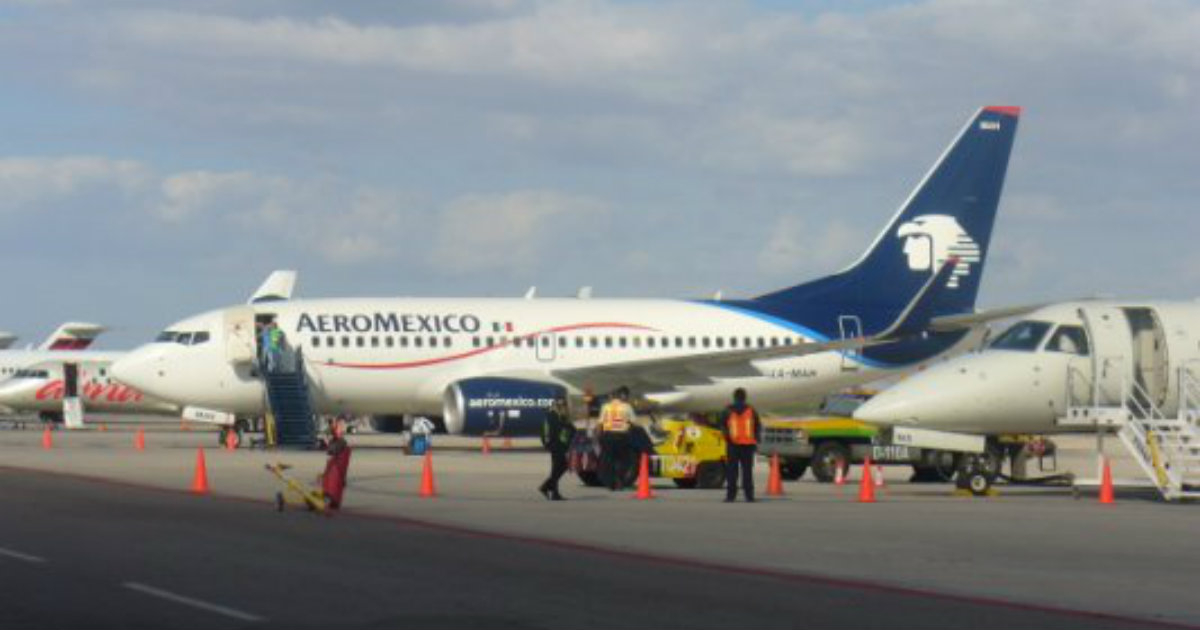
(499, 406)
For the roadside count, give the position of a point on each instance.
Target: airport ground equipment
(296, 492)
(1165, 445)
(288, 400)
(831, 439)
(689, 452)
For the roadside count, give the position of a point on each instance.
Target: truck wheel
(710, 475)
(828, 457)
(792, 469)
(590, 478)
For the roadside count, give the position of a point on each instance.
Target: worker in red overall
(333, 482)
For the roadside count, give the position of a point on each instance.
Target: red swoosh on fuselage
(479, 351)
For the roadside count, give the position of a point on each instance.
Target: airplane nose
(911, 402)
(138, 369)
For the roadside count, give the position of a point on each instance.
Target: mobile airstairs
(1163, 439)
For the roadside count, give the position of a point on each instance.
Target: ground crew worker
(557, 433)
(616, 420)
(333, 482)
(742, 426)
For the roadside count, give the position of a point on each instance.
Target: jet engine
(499, 406)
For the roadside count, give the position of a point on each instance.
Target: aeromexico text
(389, 323)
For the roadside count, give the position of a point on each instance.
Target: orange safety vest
(614, 418)
(741, 426)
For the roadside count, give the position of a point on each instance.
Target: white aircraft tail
(277, 287)
(72, 336)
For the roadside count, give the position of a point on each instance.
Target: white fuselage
(398, 356)
(1025, 384)
(33, 381)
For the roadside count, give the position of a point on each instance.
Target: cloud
(795, 245)
(512, 231)
(28, 183)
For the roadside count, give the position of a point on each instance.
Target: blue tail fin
(950, 214)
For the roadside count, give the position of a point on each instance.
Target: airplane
(490, 366)
(41, 380)
(1078, 366)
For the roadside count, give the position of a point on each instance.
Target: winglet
(72, 336)
(276, 288)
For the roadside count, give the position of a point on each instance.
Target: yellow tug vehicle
(688, 451)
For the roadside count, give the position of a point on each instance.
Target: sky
(160, 159)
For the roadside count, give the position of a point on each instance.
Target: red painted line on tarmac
(654, 558)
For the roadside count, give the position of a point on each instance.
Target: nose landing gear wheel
(975, 475)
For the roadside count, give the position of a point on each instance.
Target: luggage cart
(296, 492)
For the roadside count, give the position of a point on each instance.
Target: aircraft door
(1150, 362)
(546, 346)
(1112, 354)
(70, 380)
(850, 327)
(239, 335)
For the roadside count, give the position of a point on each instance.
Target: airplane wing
(72, 336)
(277, 287)
(661, 374)
(6, 340)
(948, 323)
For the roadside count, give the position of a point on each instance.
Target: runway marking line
(24, 557)
(679, 561)
(234, 613)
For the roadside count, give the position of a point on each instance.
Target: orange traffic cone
(103, 428)
(183, 426)
(1106, 483)
(878, 476)
(427, 487)
(866, 489)
(231, 440)
(487, 446)
(507, 442)
(775, 479)
(644, 491)
(200, 479)
(47, 439)
(139, 440)
(839, 474)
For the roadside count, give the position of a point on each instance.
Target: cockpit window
(184, 339)
(1069, 339)
(167, 336)
(199, 338)
(1024, 335)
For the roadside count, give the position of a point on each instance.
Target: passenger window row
(564, 341)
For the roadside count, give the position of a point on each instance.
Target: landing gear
(978, 471)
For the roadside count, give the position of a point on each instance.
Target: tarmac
(98, 534)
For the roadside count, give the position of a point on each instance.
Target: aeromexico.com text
(509, 403)
(388, 323)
